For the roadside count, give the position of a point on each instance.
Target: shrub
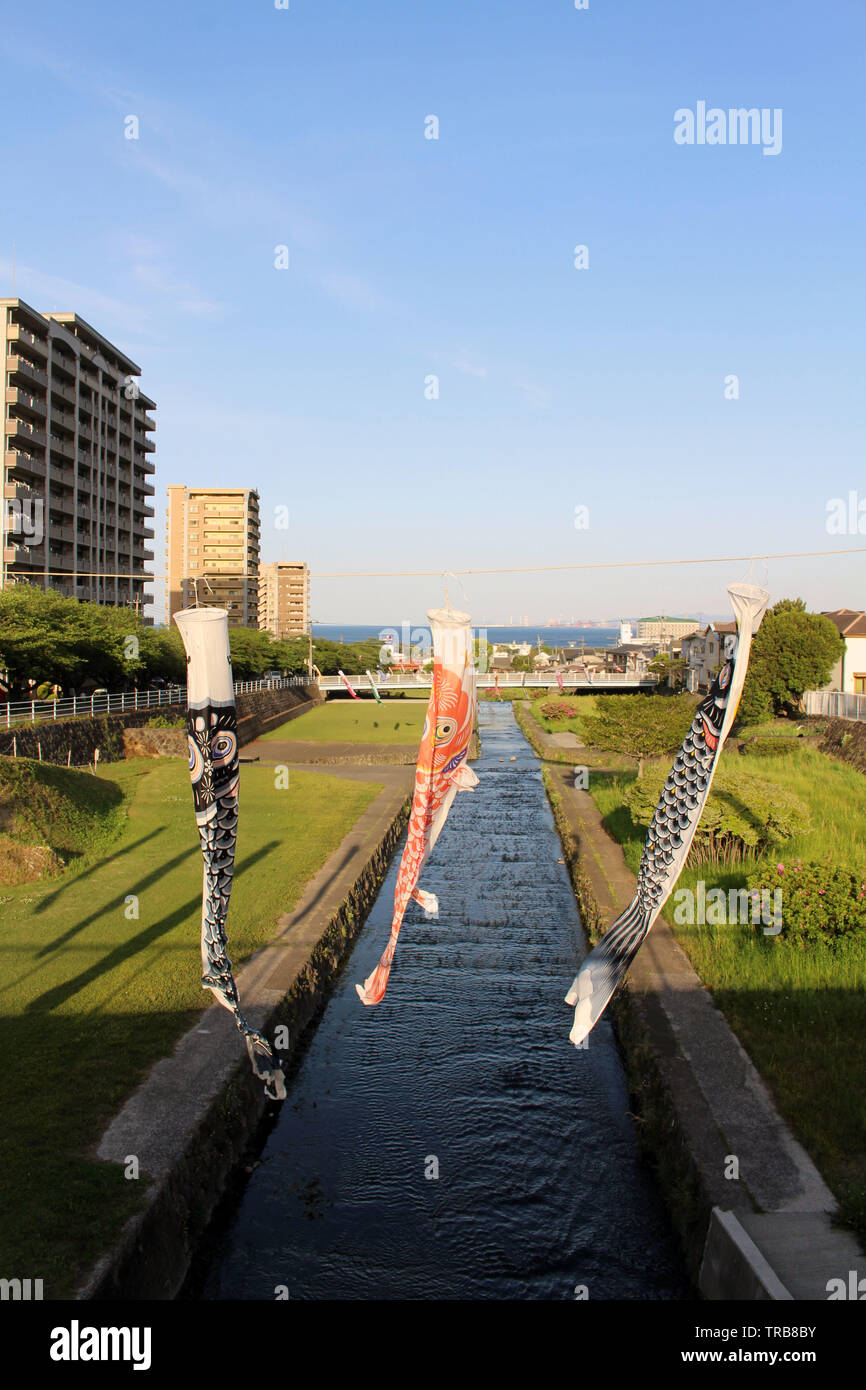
(642, 725)
(820, 902)
(743, 818)
(770, 747)
(167, 721)
(557, 709)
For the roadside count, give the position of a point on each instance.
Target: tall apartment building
(212, 534)
(77, 470)
(284, 598)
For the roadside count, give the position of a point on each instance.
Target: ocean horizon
(550, 636)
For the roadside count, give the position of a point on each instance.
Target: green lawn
(356, 721)
(90, 998)
(801, 1014)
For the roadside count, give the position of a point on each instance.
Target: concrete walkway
(188, 1122)
(779, 1241)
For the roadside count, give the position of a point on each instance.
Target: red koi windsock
(440, 773)
(345, 681)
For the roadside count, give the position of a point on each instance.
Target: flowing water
(465, 1070)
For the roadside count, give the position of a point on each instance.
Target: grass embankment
(354, 721)
(801, 1014)
(50, 816)
(92, 994)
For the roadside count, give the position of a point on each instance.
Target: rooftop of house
(849, 622)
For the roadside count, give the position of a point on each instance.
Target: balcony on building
(19, 429)
(28, 371)
(26, 404)
(19, 461)
(17, 333)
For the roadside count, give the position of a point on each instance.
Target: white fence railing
(77, 706)
(488, 680)
(837, 704)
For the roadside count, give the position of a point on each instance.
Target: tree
(47, 637)
(250, 652)
(162, 654)
(792, 651)
(669, 668)
(644, 726)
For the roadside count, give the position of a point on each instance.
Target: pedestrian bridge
(504, 680)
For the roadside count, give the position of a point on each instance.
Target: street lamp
(310, 635)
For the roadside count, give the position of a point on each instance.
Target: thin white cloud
(184, 297)
(468, 368)
(351, 291)
(536, 396)
(52, 293)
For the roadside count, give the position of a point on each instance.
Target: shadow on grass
(117, 902)
(63, 1081)
(54, 998)
(50, 898)
(326, 884)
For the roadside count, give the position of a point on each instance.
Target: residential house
(849, 673)
(704, 652)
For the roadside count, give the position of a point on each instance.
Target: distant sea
(550, 636)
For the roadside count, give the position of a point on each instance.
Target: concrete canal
(464, 1070)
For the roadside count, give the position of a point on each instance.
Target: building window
(860, 682)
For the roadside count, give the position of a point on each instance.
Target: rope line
(599, 565)
(437, 574)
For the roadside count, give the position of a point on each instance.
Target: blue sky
(558, 387)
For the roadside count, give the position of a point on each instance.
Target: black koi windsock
(214, 772)
(673, 825)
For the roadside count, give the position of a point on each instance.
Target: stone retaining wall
(846, 739)
(72, 741)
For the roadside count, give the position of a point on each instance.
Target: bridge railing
(489, 680)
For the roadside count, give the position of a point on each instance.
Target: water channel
(465, 1069)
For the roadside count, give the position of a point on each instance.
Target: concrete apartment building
(661, 629)
(77, 467)
(284, 598)
(212, 534)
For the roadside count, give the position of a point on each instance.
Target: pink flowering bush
(820, 902)
(557, 709)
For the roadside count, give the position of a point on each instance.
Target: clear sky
(409, 257)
